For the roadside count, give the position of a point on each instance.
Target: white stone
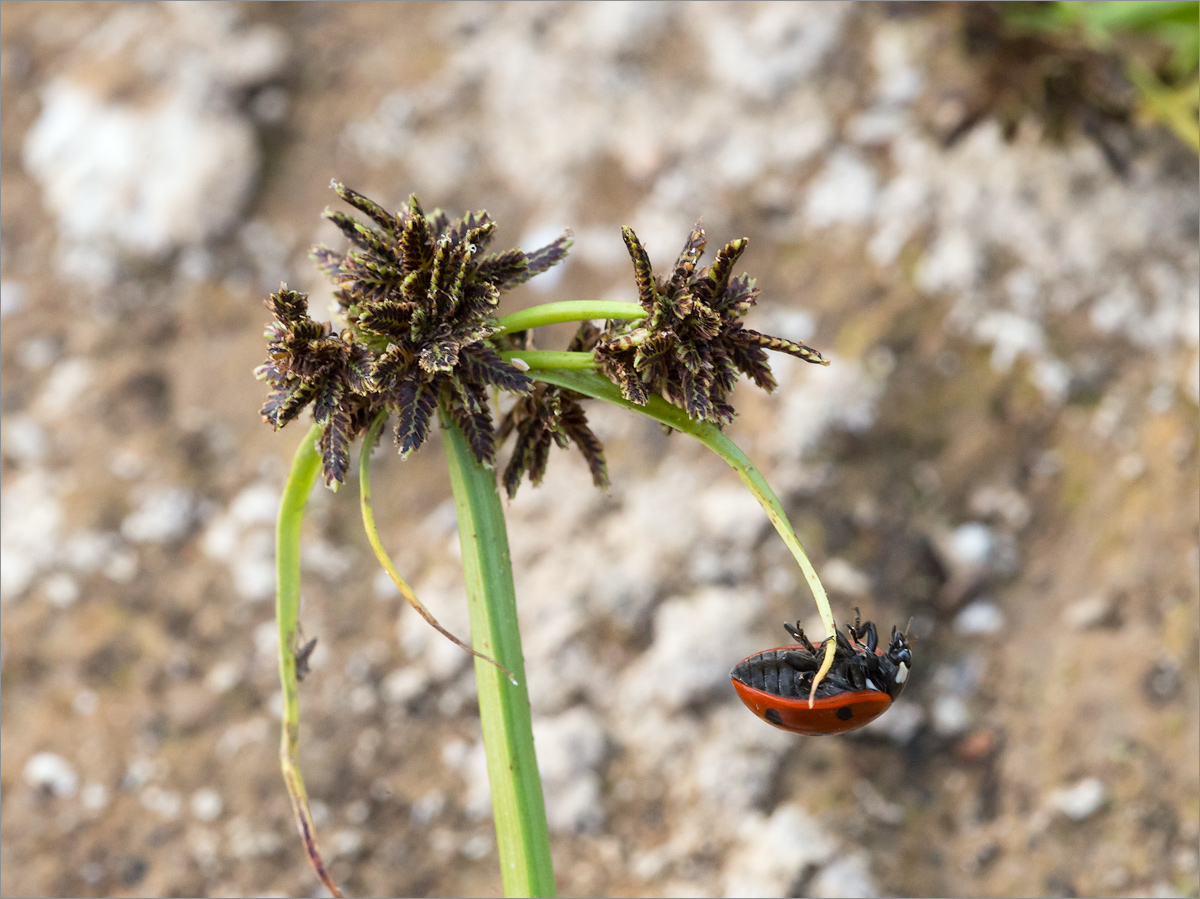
(1089, 612)
(53, 773)
(971, 545)
(24, 439)
(94, 796)
(842, 577)
(696, 640)
(1079, 801)
(569, 748)
(29, 530)
(951, 717)
(165, 803)
(206, 804)
(774, 852)
(163, 516)
(846, 877)
(85, 703)
(139, 179)
(61, 590)
(12, 297)
(900, 723)
(844, 192)
(980, 617)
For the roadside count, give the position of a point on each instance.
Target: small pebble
(972, 544)
(206, 804)
(979, 618)
(346, 843)
(1090, 612)
(85, 702)
(52, 773)
(951, 718)
(477, 847)
(1162, 682)
(1079, 801)
(94, 796)
(846, 876)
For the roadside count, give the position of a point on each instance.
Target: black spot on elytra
(773, 716)
(845, 713)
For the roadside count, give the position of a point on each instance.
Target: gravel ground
(1004, 450)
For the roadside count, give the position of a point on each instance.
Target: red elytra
(860, 687)
(831, 715)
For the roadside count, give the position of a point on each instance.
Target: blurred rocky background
(1004, 451)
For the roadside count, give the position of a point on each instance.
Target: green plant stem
(552, 359)
(522, 835)
(569, 311)
(306, 465)
(594, 385)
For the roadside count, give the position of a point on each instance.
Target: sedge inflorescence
(692, 346)
(418, 295)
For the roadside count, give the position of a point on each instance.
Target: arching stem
(306, 464)
(594, 385)
(569, 311)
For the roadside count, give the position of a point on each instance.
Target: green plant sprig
(518, 806)
(421, 337)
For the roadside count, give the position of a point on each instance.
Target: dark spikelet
(722, 267)
(549, 415)
(334, 447)
(685, 265)
(643, 275)
(326, 400)
(550, 255)
(288, 306)
(373, 210)
(471, 413)
(783, 345)
(692, 344)
(416, 401)
(329, 262)
(485, 366)
(753, 362)
(574, 424)
(504, 269)
(285, 405)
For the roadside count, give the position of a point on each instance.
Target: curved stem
(368, 517)
(522, 834)
(569, 311)
(552, 359)
(599, 387)
(306, 465)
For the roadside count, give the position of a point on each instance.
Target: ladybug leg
(872, 637)
(802, 662)
(856, 630)
(856, 673)
(797, 634)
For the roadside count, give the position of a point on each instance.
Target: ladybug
(862, 683)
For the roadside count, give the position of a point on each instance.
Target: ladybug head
(900, 655)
